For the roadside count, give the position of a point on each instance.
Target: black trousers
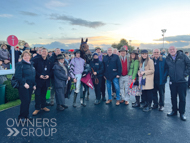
(97, 88)
(40, 97)
(147, 96)
(161, 90)
(181, 90)
(103, 87)
(25, 98)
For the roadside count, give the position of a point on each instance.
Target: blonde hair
(25, 52)
(3, 46)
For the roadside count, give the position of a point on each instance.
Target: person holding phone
(42, 66)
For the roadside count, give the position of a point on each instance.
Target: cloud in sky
(54, 4)
(175, 38)
(166, 45)
(60, 45)
(77, 21)
(28, 13)
(6, 15)
(29, 23)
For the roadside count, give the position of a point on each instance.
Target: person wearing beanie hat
(146, 80)
(97, 72)
(61, 76)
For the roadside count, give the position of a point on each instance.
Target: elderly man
(112, 72)
(43, 69)
(123, 81)
(53, 60)
(160, 78)
(178, 67)
(103, 89)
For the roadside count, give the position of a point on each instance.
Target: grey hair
(156, 49)
(110, 48)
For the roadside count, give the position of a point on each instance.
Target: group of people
(129, 74)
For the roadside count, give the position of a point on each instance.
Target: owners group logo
(36, 127)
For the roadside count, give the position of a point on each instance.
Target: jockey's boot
(74, 99)
(82, 99)
(87, 96)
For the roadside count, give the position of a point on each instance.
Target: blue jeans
(116, 85)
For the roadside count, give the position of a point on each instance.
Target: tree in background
(122, 43)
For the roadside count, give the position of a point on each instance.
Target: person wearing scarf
(146, 80)
(61, 77)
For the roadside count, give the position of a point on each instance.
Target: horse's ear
(86, 40)
(82, 40)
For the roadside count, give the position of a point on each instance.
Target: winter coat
(43, 67)
(162, 72)
(179, 68)
(25, 73)
(149, 73)
(5, 55)
(60, 76)
(133, 68)
(97, 67)
(112, 66)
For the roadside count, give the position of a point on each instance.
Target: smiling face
(109, 51)
(172, 50)
(26, 57)
(132, 56)
(144, 55)
(44, 53)
(156, 53)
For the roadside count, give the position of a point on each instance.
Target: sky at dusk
(62, 24)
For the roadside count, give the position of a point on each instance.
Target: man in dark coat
(43, 72)
(159, 80)
(53, 60)
(178, 67)
(103, 89)
(112, 72)
(61, 75)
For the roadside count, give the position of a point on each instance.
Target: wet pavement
(98, 123)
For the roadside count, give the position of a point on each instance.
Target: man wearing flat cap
(123, 81)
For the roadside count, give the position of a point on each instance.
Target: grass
(13, 103)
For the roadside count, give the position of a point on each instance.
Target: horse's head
(84, 46)
(85, 52)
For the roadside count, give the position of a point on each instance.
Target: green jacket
(133, 69)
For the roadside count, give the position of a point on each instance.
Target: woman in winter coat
(61, 75)
(25, 75)
(133, 88)
(97, 73)
(5, 56)
(146, 80)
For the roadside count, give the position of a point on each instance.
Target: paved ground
(102, 123)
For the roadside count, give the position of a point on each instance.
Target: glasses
(156, 52)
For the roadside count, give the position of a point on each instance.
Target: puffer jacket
(179, 68)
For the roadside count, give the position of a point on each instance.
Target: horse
(87, 56)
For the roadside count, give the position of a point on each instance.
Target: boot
(142, 105)
(147, 108)
(87, 96)
(74, 99)
(59, 107)
(82, 100)
(137, 103)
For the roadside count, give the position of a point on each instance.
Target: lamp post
(163, 31)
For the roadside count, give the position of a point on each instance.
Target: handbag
(143, 81)
(14, 82)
